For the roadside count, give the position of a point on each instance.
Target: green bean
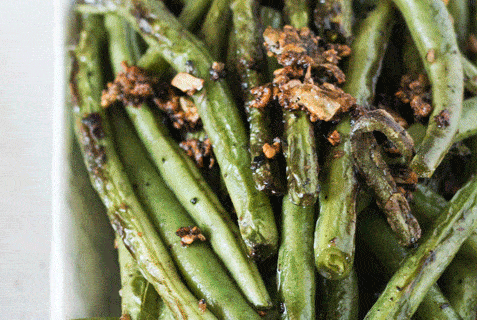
(340, 298)
(217, 111)
(300, 151)
(139, 299)
(336, 224)
(193, 12)
(371, 164)
(459, 10)
(368, 50)
(107, 176)
(249, 59)
(332, 18)
(335, 227)
(432, 32)
(296, 269)
(199, 267)
(152, 60)
(459, 282)
(428, 205)
(198, 198)
(273, 18)
(407, 288)
(215, 28)
(297, 13)
(379, 239)
(470, 75)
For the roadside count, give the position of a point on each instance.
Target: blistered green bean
(217, 110)
(110, 181)
(199, 266)
(198, 198)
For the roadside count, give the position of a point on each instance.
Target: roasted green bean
(371, 164)
(336, 224)
(249, 65)
(139, 299)
(110, 181)
(296, 268)
(300, 152)
(217, 110)
(198, 198)
(199, 267)
(339, 298)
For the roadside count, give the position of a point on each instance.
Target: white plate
(84, 272)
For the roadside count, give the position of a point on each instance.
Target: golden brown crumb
(442, 119)
(416, 92)
(262, 94)
(202, 305)
(309, 73)
(271, 151)
(334, 138)
(217, 71)
(189, 234)
(134, 86)
(199, 150)
(187, 83)
(262, 313)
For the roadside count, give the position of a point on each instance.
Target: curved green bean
(199, 267)
(296, 268)
(432, 32)
(336, 224)
(407, 288)
(217, 110)
(198, 198)
(110, 181)
(371, 164)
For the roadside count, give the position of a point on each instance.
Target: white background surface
(26, 95)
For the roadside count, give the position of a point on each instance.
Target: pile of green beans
(287, 236)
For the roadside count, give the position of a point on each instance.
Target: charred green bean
(198, 198)
(110, 181)
(217, 110)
